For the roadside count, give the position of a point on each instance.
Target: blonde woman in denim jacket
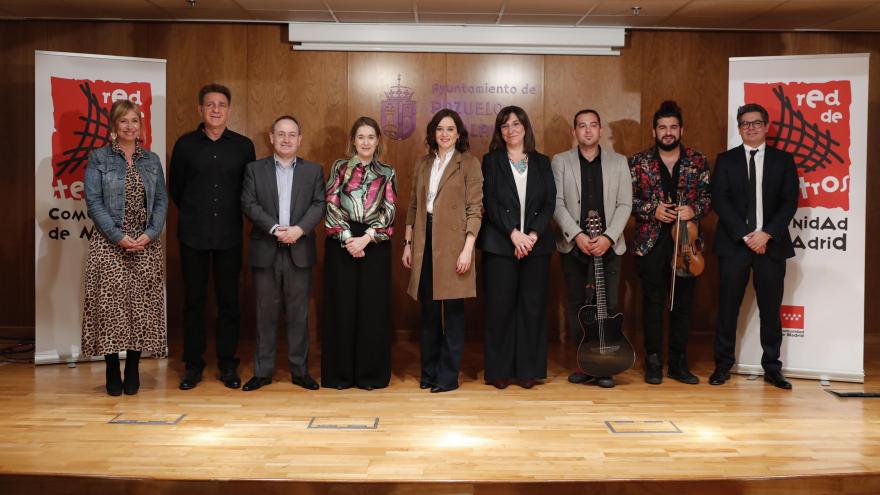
(124, 304)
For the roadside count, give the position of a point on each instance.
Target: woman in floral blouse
(356, 338)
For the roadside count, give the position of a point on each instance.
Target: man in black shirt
(207, 166)
(589, 177)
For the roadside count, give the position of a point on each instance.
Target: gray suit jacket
(259, 201)
(616, 191)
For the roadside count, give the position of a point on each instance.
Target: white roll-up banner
(818, 106)
(73, 95)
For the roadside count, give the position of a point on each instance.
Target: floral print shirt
(648, 192)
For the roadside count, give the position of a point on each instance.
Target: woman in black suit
(519, 195)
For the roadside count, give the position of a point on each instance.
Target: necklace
(520, 165)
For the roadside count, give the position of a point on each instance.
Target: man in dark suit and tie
(755, 193)
(283, 196)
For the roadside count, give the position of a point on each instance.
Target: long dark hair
(498, 141)
(461, 144)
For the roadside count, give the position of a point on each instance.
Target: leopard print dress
(125, 292)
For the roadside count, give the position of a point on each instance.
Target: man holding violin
(671, 193)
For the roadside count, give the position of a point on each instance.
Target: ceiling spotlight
(636, 10)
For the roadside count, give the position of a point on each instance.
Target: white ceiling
(838, 15)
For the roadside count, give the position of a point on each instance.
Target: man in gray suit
(283, 196)
(589, 177)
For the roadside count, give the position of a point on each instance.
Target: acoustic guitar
(604, 350)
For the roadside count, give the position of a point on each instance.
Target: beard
(667, 147)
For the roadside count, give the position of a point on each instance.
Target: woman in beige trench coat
(442, 224)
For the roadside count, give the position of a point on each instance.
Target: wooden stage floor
(60, 433)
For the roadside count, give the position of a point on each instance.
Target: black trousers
(441, 347)
(769, 281)
(356, 338)
(225, 265)
(655, 271)
(516, 316)
(578, 272)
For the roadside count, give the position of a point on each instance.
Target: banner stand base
(811, 374)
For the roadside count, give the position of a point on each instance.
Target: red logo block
(792, 317)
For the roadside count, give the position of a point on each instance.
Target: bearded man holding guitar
(587, 178)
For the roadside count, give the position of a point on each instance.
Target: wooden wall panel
(19, 40)
(328, 90)
(125, 39)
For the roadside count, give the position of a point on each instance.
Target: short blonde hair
(119, 109)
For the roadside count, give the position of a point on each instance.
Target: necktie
(752, 214)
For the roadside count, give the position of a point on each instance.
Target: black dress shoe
(306, 382)
(653, 369)
(255, 383)
(191, 378)
(605, 382)
(424, 385)
(439, 389)
(776, 379)
(528, 383)
(678, 370)
(230, 379)
(718, 377)
(579, 377)
(499, 384)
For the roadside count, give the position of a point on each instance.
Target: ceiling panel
(618, 20)
(807, 14)
(703, 14)
(648, 7)
(44, 8)
(182, 4)
(460, 6)
(866, 20)
(723, 8)
(728, 22)
(132, 9)
(371, 5)
(375, 16)
(556, 7)
(293, 15)
(441, 18)
(234, 14)
(540, 20)
(282, 4)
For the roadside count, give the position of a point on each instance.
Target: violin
(687, 259)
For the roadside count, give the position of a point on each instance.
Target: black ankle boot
(114, 380)
(653, 369)
(132, 378)
(678, 370)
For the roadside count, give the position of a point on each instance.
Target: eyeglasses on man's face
(754, 124)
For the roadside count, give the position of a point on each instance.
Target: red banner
(812, 122)
(81, 115)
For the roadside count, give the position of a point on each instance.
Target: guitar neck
(599, 275)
